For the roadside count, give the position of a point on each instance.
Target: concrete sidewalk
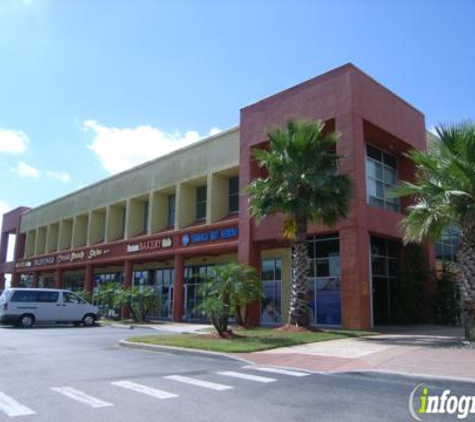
(421, 350)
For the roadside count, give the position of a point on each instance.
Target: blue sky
(91, 87)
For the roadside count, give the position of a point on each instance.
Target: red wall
(362, 110)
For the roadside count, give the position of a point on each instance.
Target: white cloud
(13, 141)
(121, 148)
(25, 170)
(59, 175)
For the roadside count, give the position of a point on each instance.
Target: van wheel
(26, 321)
(89, 320)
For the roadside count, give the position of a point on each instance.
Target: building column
(128, 274)
(2, 282)
(15, 279)
(36, 279)
(179, 264)
(355, 279)
(58, 278)
(88, 281)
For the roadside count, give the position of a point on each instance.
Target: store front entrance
(194, 277)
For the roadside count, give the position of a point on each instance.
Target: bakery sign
(150, 245)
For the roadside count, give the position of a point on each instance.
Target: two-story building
(167, 222)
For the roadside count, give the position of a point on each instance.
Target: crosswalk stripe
(139, 388)
(81, 397)
(278, 371)
(11, 407)
(199, 383)
(246, 376)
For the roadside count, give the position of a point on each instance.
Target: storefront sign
(64, 258)
(77, 256)
(209, 236)
(43, 261)
(150, 245)
(24, 264)
(96, 253)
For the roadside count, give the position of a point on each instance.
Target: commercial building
(169, 221)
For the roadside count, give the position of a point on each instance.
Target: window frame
(389, 204)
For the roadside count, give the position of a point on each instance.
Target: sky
(89, 88)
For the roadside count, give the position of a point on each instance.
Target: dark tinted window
(48, 297)
(24, 296)
(201, 193)
(233, 203)
(171, 210)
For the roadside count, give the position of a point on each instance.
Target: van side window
(48, 297)
(69, 297)
(24, 296)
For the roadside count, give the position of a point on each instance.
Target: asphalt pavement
(81, 374)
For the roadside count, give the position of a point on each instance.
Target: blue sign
(185, 240)
(209, 236)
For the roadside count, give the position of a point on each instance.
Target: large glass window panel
(381, 177)
(271, 303)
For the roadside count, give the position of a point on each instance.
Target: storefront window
(164, 279)
(324, 290)
(381, 177)
(194, 277)
(384, 263)
(271, 303)
(73, 282)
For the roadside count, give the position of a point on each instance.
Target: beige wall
(94, 214)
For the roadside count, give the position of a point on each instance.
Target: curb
(404, 375)
(182, 351)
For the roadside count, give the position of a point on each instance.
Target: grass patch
(251, 340)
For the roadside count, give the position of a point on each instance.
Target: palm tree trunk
(298, 312)
(466, 258)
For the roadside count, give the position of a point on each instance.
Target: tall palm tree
(444, 193)
(303, 183)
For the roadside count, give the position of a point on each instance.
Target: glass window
(271, 303)
(145, 216)
(381, 176)
(24, 296)
(48, 297)
(233, 199)
(171, 210)
(69, 297)
(384, 269)
(201, 194)
(323, 294)
(446, 247)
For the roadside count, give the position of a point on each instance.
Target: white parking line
(139, 388)
(246, 376)
(278, 371)
(199, 383)
(12, 408)
(81, 397)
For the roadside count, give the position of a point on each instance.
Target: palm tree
(303, 183)
(227, 292)
(444, 193)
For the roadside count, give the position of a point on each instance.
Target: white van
(25, 307)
